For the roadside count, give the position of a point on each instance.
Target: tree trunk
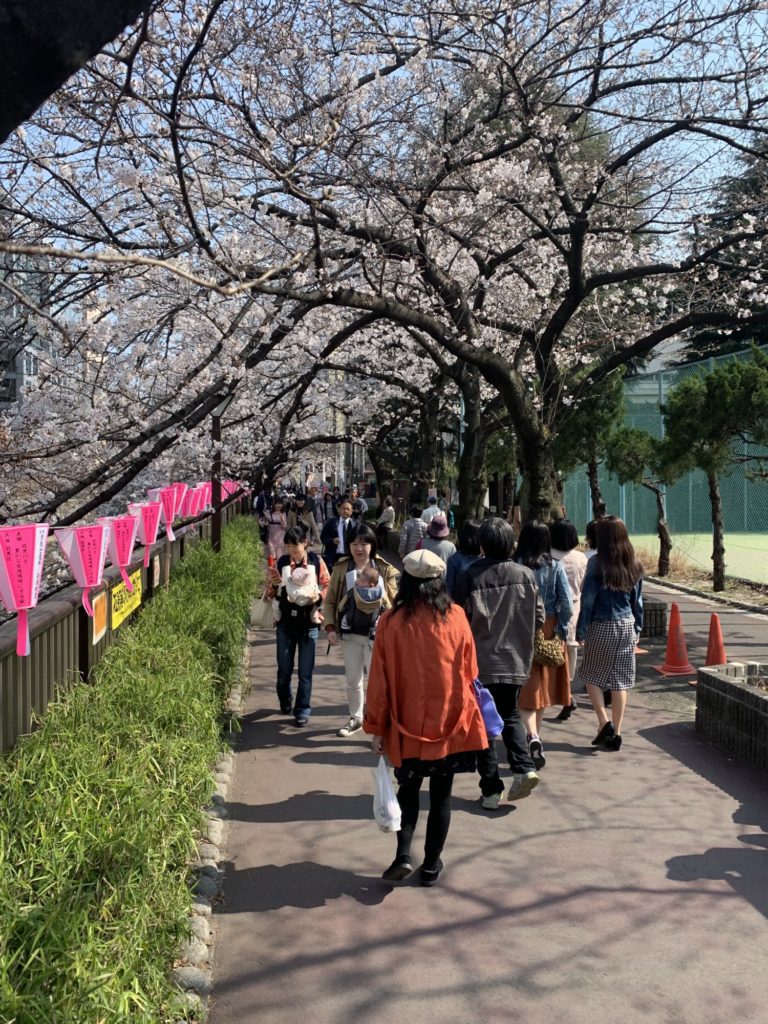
(665, 541)
(598, 505)
(472, 482)
(540, 493)
(424, 452)
(473, 478)
(718, 532)
(385, 476)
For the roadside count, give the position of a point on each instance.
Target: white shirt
(429, 514)
(343, 524)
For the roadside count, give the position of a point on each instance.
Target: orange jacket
(420, 697)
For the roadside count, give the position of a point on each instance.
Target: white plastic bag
(386, 809)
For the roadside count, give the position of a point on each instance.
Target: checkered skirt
(609, 654)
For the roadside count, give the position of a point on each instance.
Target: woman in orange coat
(421, 708)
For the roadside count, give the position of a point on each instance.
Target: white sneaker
(353, 725)
(522, 786)
(491, 803)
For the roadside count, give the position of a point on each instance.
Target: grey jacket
(505, 609)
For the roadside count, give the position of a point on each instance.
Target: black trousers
(438, 820)
(506, 696)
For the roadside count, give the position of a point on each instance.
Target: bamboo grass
(100, 808)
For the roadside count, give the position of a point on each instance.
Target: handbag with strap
(262, 615)
(549, 653)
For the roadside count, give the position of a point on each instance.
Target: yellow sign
(99, 605)
(123, 601)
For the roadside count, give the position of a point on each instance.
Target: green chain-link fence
(745, 499)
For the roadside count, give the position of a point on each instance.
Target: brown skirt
(547, 686)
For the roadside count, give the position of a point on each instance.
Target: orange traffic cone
(715, 648)
(676, 661)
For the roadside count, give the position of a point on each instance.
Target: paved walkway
(629, 887)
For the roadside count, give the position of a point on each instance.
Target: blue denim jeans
(287, 643)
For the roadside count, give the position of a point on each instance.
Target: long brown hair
(617, 563)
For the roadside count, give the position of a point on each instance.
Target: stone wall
(732, 709)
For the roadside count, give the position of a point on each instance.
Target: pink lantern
(85, 549)
(206, 488)
(181, 490)
(122, 537)
(167, 499)
(148, 515)
(22, 553)
(188, 506)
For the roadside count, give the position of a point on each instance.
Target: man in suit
(334, 533)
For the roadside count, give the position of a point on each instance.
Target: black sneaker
(430, 875)
(536, 750)
(302, 719)
(399, 869)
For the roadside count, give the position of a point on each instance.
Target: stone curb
(193, 978)
(662, 581)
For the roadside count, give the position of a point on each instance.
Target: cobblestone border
(194, 976)
(662, 581)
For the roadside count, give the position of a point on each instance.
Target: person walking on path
(565, 550)
(547, 685)
(502, 602)
(352, 613)
(422, 712)
(467, 553)
(276, 523)
(610, 623)
(386, 520)
(334, 533)
(302, 515)
(412, 531)
(436, 539)
(431, 510)
(297, 628)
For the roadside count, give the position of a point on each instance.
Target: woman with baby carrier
(297, 584)
(362, 586)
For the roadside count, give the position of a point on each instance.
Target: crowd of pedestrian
(511, 612)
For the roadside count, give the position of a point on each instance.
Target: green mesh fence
(745, 499)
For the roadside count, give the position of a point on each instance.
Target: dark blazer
(327, 536)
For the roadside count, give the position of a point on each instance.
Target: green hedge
(100, 808)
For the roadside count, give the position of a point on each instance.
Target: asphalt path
(630, 886)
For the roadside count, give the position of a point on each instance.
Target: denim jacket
(600, 603)
(556, 594)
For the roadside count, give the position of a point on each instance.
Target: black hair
(368, 534)
(416, 511)
(497, 539)
(469, 537)
(388, 502)
(591, 534)
(533, 545)
(413, 592)
(295, 535)
(563, 535)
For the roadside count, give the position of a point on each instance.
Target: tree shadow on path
(744, 868)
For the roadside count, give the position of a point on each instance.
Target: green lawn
(746, 554)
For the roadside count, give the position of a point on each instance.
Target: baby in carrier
(301, 589)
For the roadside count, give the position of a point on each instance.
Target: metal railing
(65, 643)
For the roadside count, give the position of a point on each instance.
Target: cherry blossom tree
(530, 189)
